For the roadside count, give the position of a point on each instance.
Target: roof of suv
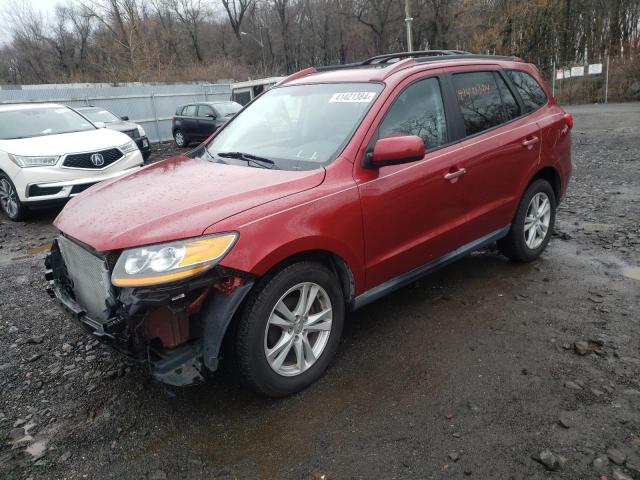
(381, 67)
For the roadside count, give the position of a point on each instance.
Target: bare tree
(380, 16)
(191, 14)
(126, 40)
(236, 10)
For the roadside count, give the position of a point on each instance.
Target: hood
(65, 143)
(173, 199)
(122, 125)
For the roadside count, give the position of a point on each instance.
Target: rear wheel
(289, 330)
(180, 138)
(9, 201)
(531, 229)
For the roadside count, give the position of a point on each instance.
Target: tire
(10, 203)
(256, 337)
(519, 245)
(180, 138)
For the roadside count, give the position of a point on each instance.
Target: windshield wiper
(249, 158)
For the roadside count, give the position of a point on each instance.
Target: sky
(45, 7)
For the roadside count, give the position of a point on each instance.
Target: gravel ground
(485, 369)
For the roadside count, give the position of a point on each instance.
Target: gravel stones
(550, 460)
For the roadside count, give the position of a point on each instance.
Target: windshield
(226, 109)
(104, 116)
(39, 121)
(301, 127)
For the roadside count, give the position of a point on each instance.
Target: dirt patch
(486, 369)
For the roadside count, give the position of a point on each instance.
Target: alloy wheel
(179, 139)
(536, 221)
(8, 198)
(298, 329)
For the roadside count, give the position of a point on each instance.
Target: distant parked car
(50, 153)
(99, 116)
(196, 121)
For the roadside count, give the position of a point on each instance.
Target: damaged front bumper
(177, 329)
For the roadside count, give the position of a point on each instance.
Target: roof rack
(418, 56)
(388, 57)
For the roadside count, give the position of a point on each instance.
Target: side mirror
(100, 124)
(211, 116)
(395, 150)
(124, 117)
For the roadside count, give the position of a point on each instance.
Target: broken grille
(90, 277)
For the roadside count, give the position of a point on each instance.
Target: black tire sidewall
(185, 141)
(21, 208)
(522, 250)
(249, 347)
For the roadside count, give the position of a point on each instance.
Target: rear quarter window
(532, 94)
(480, 101)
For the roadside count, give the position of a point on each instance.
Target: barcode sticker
(350, 97)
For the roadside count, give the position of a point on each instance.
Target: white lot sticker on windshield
(348, 97)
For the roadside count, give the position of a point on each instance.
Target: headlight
(168, 262)
(25, 162)
(129, 147)
(141, 131)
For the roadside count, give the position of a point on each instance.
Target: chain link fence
(150, 105)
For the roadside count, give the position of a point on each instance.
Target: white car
(49, 153)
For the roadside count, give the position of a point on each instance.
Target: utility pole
(606, 81)
(407, 20)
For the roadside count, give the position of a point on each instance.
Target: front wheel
(289, 330)
(531, 228)
(9, 201)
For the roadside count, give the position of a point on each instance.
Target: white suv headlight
(129, 147)
(26, 162)
(141, 131)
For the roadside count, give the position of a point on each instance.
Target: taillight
(173, 121)
(568, 119)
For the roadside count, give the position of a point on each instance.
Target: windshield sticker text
(349, 97)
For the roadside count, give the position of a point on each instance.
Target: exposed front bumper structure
(176, 329)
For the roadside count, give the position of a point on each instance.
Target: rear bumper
(191, 317)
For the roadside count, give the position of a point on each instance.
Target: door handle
(532, 141)
(451, 176)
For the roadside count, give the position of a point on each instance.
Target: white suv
(49, 153)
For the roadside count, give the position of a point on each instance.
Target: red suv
(334, 188)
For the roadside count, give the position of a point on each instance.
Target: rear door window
(419, 111)
(532, 94)
(190, 111)
(480, 101)
(204, 110)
